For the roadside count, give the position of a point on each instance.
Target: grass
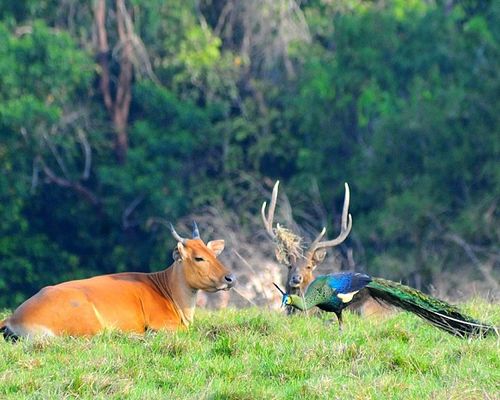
(257, 354)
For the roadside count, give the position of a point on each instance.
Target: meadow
(261, 354)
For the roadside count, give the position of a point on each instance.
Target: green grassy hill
(259, 354)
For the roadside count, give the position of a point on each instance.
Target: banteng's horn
(177, 237)
(196, 232)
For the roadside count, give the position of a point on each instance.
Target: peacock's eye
(199, 259)
(288, 300)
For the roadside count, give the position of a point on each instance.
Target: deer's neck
(172, 284)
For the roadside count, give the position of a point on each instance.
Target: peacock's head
(286, 300)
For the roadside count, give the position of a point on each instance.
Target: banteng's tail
(437, 312)
(3, 328)
(8, 335)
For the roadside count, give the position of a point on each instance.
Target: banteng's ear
(216, 246)
(318, 256)
(182, 251)
(175, 255)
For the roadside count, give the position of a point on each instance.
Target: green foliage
(406, 115)
(40, 73)
(399, 98)
(249, 354)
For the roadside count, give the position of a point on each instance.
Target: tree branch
(129, 210)
(87, 151)
(468, 249)
(63, 182)
(103, 53)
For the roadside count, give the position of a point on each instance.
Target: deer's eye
(199, 259)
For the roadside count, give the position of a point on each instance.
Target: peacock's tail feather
(438, 312)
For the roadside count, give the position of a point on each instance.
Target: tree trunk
(119, 106)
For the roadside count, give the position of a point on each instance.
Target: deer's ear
(182, 252)
(216, 246)
(318, 256)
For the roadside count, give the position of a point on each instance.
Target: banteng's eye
(199, 259)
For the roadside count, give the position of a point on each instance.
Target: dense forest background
(117, 116)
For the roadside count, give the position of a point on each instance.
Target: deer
(289, 252)
(302, 263)
(131, 302)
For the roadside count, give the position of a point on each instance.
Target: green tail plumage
(437, 312)
(333, 292)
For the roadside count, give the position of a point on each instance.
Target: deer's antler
(344, 230)
(268, 220)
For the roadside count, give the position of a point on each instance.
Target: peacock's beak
(285, 295)
(277, 287)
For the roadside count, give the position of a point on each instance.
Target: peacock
(333, 292)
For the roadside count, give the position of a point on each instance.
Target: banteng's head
(201, 268)
(301, 262)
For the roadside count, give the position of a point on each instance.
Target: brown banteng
(130, 301)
